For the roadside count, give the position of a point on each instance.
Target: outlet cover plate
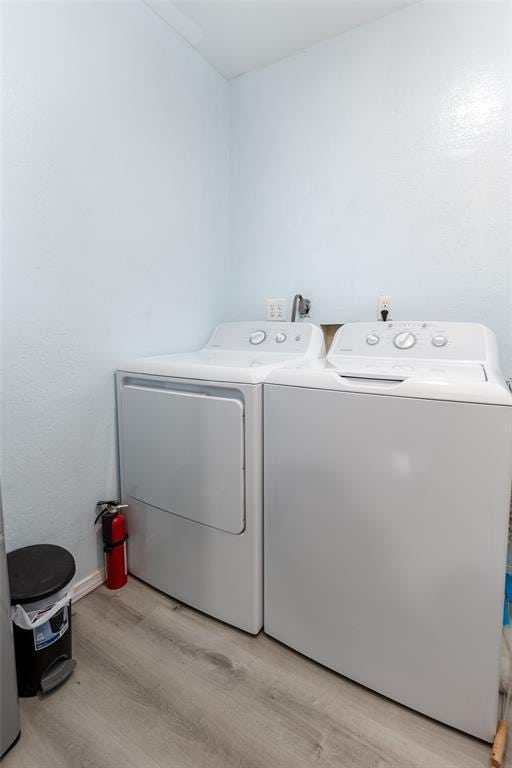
(384, 302)
(276, 309)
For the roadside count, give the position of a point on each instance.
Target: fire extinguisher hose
(109, 547)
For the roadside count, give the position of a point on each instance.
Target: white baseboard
(84, 586)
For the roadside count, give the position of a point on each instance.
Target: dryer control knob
(257, 337)
(280, 337)
(439, 341)
(404, 340)
(372, 339)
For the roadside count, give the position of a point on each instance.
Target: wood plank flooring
(160, 686)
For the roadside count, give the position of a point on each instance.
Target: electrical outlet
(276, 309)
(384, 303)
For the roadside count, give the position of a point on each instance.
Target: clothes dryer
(190, 441)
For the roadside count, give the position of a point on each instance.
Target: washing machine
(388, 471)
(190, 444)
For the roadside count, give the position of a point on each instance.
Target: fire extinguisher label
(52, 630)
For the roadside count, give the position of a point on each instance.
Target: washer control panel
(267, 336)
(423, 340)
(405, 340)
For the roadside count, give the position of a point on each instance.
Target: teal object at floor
(508, 598)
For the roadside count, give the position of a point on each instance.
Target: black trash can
(40, 578)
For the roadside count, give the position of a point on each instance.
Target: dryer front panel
(183, 453)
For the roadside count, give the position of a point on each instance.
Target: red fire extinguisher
(113, 526)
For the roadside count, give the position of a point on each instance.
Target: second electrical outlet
(384, 307)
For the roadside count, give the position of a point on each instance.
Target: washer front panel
(386, 525)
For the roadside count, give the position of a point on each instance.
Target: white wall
(379, 162)
(115, 203)
(374, 163)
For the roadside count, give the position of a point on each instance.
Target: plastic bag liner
(33, 615)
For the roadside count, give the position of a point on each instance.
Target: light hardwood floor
(160, 686)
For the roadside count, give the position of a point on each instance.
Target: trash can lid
(38, 571)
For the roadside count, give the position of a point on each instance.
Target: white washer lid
(411, 358)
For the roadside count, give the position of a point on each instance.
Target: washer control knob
(404, 340)
(372, 339)
(439, 341)
(280, 337)
(257, 337)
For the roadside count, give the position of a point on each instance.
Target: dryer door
(183, 452)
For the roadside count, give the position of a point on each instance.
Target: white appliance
(191, 465)
(387, 487)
